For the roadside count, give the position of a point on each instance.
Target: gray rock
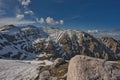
(87, 68)
(45, 75)
(58, 62)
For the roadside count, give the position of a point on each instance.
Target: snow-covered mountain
(16, 42)
(30, 42)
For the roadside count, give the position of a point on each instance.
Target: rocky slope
(112, 44)
(87, 68)
(30, 42)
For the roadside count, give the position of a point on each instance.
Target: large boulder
(87, 68)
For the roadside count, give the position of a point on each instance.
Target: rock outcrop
(87, 68)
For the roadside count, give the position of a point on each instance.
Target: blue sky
(75, 14)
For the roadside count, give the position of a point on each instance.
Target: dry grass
(60, 70)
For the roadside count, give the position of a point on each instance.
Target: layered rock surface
(87, 68)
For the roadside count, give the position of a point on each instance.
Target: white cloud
(57, 22)
(41, 21)
(25, 2)
(20, 16)
(93, 31)
(29, 12)
(61, 22)
(14, 21)
(51, 21)
(25, 6)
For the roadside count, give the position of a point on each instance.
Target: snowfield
(20, 70)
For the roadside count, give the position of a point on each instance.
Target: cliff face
(30, 42)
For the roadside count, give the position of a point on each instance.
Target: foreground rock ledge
(87, 68)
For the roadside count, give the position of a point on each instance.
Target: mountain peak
(18, 43)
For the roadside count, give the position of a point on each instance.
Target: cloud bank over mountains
(105, 33)
(15, 21)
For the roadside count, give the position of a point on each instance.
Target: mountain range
(30, 42)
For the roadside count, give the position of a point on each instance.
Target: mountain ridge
(30, 42)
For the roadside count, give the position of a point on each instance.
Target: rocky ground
(33, 70)
(78, 68)
(21, 70)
